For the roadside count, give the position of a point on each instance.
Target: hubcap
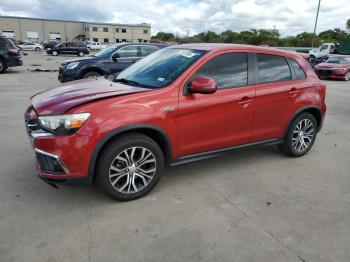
(132, 170)
(303, 135)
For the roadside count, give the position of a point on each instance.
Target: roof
(249, 48)
(72, 21)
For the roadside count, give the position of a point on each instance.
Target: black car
(110, 60)
(9, 55)
(79, 49)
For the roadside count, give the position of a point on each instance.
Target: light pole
(313, 37)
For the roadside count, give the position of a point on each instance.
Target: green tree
(348, 24)
(164, 36)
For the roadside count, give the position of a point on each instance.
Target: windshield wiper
(126, 81)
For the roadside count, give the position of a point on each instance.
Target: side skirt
(214, 153)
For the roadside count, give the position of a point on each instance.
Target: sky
(189, 17)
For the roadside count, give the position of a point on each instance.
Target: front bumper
(327, 73)
(67, 75)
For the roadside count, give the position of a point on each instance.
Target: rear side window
(147, 49)
(273, 68)
(229, 70)
(299, 72)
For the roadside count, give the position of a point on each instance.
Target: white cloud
(192, 16)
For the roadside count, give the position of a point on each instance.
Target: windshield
(160, 68)
(106, 52)
(338, 60)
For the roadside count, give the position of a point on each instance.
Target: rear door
(147, 50)
(223, 119)
(275, 91)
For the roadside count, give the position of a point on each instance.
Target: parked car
(78, 49)
(50, 43)
(336, 66)
(30, 46)
(96, 46)
(112, 59)
(180, 104)
(342, 47)
(9, 54)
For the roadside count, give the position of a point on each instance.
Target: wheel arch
(313, 110)
(89, 69)
(154, 132)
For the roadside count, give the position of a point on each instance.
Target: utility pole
(313, 37)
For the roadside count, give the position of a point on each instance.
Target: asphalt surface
(249, 205)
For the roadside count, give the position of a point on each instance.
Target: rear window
(273, 68)
(6, 43)
(299, 72)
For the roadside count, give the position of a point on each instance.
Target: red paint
(336, 74)
(199, 123)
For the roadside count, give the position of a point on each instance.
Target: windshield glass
(160, 68)
(106, 52)
(338, 60)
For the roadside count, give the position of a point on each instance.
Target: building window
(94, 29)
(117, 40)
(117, 30)
(8, 33)
(123, 30)
(145, 31)
(105, 40)
(105, 29)
(124, 40)
(95, 39)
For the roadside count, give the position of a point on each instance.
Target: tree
(348, 24)
(164, 36)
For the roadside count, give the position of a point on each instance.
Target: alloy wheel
(347, 76)
(132, 170)
(303, 135)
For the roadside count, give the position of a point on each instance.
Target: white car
(95, 46)
(27, 46)
(324, 50)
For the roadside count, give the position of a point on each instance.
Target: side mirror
(115, 57)
(202, 85)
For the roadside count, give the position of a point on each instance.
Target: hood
(330, 65)
(87, 58)
(63, 98)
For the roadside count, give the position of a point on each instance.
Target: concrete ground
(249, 205)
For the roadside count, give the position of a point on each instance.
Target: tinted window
(128, 51)
(227, 70)
(147, 49)
(299, 72)
(273, 68)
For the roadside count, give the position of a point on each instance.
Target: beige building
(23, 28)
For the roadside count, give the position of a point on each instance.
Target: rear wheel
(3, 66)
(301, 135)
(130, 167)
(37, 49)
(80, 53)
(91, 74)
(55, 53)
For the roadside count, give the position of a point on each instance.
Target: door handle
(293, 92)
(245, 101)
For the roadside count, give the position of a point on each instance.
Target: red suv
(177, 105)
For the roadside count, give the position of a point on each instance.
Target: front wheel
(130, 167)
(55, 53)
(3, 66)
(301, 136)
(80, 53)
(37, 49)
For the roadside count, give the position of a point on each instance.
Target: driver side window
(128, 51)
(228, 70)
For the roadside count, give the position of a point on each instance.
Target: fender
(127, 128)
(300, 110)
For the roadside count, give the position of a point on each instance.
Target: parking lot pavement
(249, 205)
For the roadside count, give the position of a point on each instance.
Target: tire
(347, 76)
(91, 74)
(80, 53)
(37, 49)
(114, 169)
(3, 66)
(54, 53)
(298, 143)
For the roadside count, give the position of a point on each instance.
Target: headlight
(72, 65)
(63, 124)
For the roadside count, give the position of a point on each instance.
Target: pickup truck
(96, 46)
(342, 47)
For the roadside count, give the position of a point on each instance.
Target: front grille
(324, 72)
(49, 164)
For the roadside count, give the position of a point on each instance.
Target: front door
(125, 57)
(223, 119)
